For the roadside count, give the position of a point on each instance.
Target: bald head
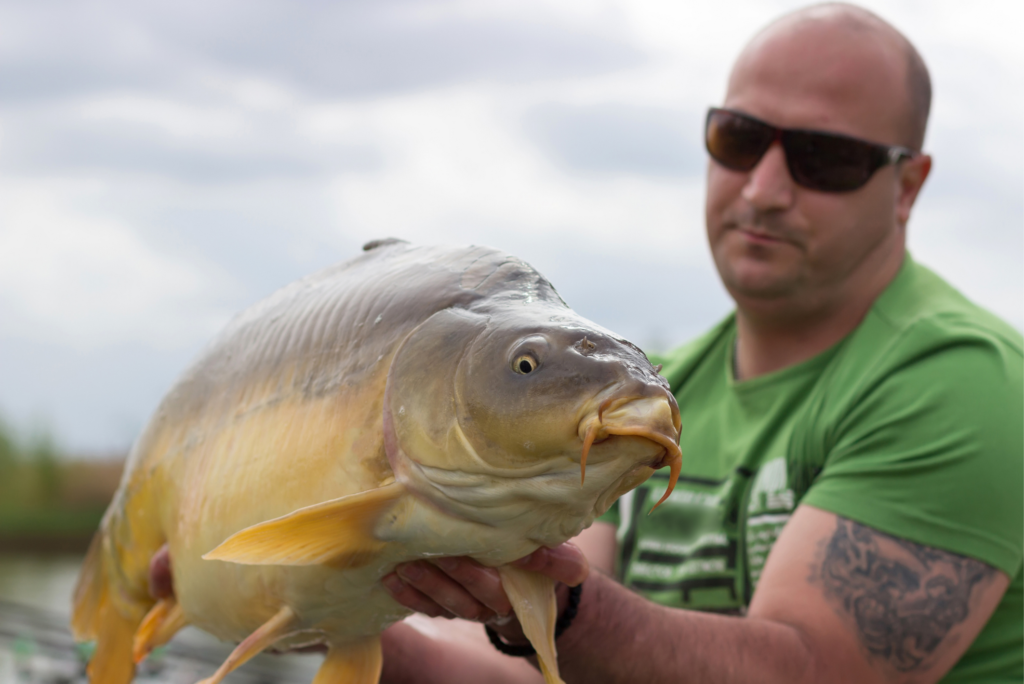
(847, 53)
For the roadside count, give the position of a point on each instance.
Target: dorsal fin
(383, 242)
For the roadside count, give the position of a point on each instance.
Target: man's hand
(462, 588)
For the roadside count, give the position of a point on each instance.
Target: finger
(564, 563)
(412, 598)
(445, 591)
(482, 583)
(161, 582)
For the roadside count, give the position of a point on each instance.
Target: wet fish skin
(390, 376)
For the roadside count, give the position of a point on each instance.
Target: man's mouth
(759, 237)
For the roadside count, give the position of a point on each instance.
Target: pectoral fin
(533, 599)
(337, 533)
(355, 663)
(161, 623)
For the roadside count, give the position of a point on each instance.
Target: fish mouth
(654, 418)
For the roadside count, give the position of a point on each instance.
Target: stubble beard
(757, 274)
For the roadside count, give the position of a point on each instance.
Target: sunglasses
(829, 162)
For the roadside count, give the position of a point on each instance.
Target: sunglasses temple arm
(898, 154)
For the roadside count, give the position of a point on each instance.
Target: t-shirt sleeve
(935, 454)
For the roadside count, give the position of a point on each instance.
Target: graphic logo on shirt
(769, 507)
(771, 490)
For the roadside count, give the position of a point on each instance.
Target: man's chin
(759, 285)
(757, 273)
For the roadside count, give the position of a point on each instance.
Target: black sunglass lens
(736, 142)
(830, 163)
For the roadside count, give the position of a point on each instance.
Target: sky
(163, 165)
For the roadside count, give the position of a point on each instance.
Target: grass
(53, 505)
(43, 522)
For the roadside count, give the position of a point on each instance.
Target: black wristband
(524, 650)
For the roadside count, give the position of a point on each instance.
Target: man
(850, 508)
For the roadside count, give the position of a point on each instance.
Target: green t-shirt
(912, 425)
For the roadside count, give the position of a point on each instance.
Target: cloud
(64, 49)
(618, 139)
(95, 400)
(326, 49)
(91, 281)
(178, 141)
(165, 164)
(372, 47)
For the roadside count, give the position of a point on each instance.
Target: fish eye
(524, 364)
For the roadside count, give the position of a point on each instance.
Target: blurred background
(165, 164)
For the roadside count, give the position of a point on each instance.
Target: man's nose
(769, 185)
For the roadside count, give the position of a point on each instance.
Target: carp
(413, 402)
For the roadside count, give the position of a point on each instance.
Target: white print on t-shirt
(770, 492)
(768, 510)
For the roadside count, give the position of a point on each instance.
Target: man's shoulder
(916, 429)
(921, 316)
(920, 311)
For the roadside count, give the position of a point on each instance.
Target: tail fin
(112, 662)
(96, 616)
(85, 611)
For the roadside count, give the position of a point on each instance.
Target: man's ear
(911, 176)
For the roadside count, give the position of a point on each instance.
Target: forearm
(621, 637)
(412, 657)
(407, 656)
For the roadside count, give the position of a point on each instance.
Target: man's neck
(763, 349)
(770, 339)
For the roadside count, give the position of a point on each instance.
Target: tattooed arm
(904, 598)
(837, 602)
(886, 608)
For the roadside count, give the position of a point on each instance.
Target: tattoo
(904, 597)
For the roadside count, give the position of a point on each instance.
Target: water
(44, 582)
(36, 646)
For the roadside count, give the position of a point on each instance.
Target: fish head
(525, 405)
(564, 388)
